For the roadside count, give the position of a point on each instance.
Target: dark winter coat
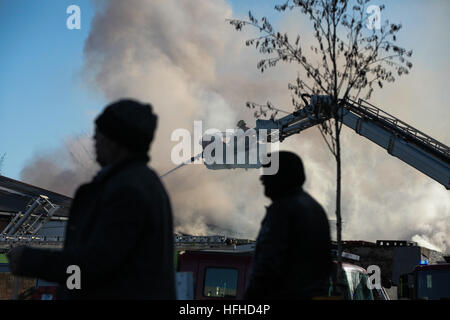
(293, 251)
(120, 235)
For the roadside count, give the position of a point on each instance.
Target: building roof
(15, 196)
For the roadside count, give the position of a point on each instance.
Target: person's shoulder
(136, 178)
(140, 186)
(136, 171)
(306, 198)
(281, 206)
(291, 198)
(312, 206)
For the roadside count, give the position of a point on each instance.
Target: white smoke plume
(63, 169)
(183, 57)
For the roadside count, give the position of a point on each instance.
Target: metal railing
(365, 109)
(7, 242)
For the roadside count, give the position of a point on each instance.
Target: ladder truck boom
(401, 140)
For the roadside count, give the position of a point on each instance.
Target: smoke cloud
(64, 169)
(185, 59)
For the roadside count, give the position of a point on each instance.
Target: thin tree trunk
(338, 200)
(338, 145)
(338, 196)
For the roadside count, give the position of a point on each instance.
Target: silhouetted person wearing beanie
(120, 231)
(293, 250)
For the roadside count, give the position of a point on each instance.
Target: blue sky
(42, 97)
(42, 100)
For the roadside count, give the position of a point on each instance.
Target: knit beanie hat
(129, 123)
(291, 172)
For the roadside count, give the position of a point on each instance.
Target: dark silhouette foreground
(293, 249)
(120, 230)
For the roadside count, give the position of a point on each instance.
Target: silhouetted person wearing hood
(120, 231)
(293, 250)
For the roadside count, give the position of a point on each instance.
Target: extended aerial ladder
(401, 140)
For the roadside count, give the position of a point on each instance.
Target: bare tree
(349, 58)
